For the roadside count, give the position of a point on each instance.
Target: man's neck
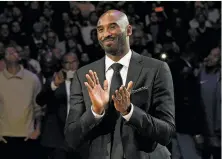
(119, 56)
(13, 69)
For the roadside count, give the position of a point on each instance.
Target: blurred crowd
(50, 36)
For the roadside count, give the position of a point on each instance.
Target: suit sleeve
(159, 126)
(80, 120)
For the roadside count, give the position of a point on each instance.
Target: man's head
(213, 59)
(67, 33)
(16, 27)
(113, 31)
(4, 30)
(70, 61)
(93, 35)
(12, 55)
(51, 38)
(48, 63)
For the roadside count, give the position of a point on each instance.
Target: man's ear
(129, 30)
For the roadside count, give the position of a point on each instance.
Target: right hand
(59, 78)
(3, 140)
(99, 96)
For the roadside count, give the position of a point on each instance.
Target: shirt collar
(20, 74)
(125, 60)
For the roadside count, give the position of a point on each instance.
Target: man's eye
(112, 26)
(100, 30)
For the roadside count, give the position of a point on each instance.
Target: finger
(105, 85)
(115, 100)
(127, 94)
(122, 93)
(92, 76)
(5, 141)
(96, 77)
(130, 86)
(60, 75)
(26, 138)
(118, 96)
(90, 81)
(88, 87)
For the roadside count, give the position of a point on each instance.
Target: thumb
(105, 85)
(27, 138)
(130, 86)
(5, 141)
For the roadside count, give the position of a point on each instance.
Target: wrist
(98, 111)
(127, 111)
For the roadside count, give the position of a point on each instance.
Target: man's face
(4, 30)
(12, 55)
(112, 37)
(65, 17)
(71, 62)
(15, 27)
(93, 18)
(213, 58)
(51, 39)
(67, 33)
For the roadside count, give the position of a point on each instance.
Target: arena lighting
(163, 56)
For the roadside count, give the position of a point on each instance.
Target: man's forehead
(110, 17)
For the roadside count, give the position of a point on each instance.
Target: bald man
(121, 106)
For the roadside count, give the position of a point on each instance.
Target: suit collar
(135, 68)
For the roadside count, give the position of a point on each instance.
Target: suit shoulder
(151, 62)
(85, 69)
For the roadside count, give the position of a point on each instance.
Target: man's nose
(106, 34)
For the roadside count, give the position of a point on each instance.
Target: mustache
(108, 38)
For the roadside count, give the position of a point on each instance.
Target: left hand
(33, 135)
(122, 98)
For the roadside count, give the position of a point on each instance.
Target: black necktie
(116, 82)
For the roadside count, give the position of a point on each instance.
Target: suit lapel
(135, 68)
(100, 70)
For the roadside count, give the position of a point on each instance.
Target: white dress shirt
(123, 72)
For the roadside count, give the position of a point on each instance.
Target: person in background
(55, 96)
(210, 91)
(20, 115)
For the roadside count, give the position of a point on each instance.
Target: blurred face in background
(16, 27)
(213, 59)
(93, 18)
(75, 31)
(201, 19)
(16, 12)
(72, 44)
(70, 62)
(67, 32)
(75, 10)
(12, 56)
(4, 30)
(27, 51)
(154, 17)
(65, 17)
(51, 39)
(47, 13)
(34, 5)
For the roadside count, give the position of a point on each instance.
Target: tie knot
(116, 67)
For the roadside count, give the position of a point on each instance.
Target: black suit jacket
(55, 114)
(152, 121)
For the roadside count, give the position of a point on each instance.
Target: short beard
(121, 42)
